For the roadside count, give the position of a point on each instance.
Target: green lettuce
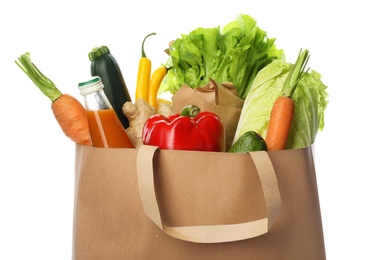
(310, 100)
(235, 54)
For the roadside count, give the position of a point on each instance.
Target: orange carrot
(284, 107)
(71, 116)
(68, 111)
(280, 123)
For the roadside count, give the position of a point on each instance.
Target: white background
(37, 160)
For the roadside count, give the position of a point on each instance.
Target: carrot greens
(40, 80)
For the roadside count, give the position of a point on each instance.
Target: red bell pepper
(189, 130)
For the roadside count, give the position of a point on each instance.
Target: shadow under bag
(148, 203)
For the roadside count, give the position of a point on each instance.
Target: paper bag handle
(211, 233)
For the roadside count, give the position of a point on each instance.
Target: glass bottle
(106, 129)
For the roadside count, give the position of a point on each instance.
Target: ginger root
(165, 109)
(137, 114)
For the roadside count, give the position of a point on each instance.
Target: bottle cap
(90, 86)
(97, 52)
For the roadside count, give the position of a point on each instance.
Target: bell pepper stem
(190, 111)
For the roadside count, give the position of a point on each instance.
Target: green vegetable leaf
(310, 100)
(310, 103)
(40, 80)
(234, 54)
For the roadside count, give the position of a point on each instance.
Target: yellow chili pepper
(143, 75)
(155, 81)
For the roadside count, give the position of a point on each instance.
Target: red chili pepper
(189, 130)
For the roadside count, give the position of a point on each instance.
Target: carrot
(283, 109)
(68, 111)
(71, 116)
(280, 123)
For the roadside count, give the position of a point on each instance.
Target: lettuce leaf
(234, 54)
(310, 100)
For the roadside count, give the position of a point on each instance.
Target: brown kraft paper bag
(148, 203)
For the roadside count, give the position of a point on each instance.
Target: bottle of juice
(106, 129)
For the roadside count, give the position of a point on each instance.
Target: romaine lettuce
(235, 54)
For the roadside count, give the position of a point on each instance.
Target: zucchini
(104, 65)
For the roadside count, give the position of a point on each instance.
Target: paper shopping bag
(221, 99)
(148, 203)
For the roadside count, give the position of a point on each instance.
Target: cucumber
(250, 141)
(104, 65)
